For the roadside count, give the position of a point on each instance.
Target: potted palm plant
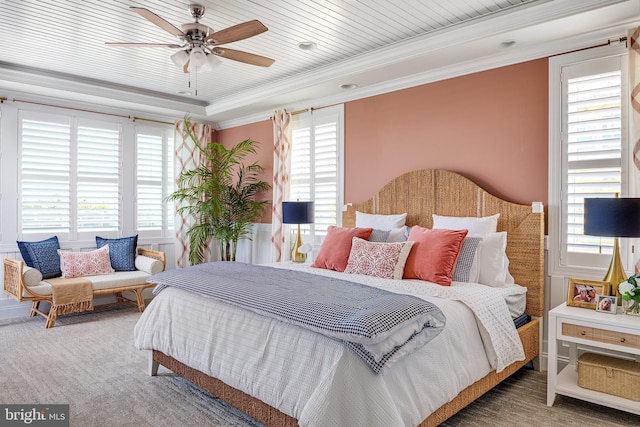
(222, 196)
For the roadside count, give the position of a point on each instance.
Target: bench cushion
(101, 282)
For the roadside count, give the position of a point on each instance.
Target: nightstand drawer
(601, 335)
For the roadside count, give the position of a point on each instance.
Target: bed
(320, 383)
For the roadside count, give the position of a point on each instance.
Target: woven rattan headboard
(424, 192)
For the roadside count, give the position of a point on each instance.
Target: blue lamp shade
(612, 217)
(297, 212)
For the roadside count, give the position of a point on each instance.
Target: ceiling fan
(200, 45)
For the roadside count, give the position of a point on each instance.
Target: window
(70, 176)
(588, 152)
(317, 167)
(89, 174)
(154, 180)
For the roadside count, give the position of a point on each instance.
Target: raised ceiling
(57, 48)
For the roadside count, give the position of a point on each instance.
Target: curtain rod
(609, 42)
(84, 110)
(308, 110)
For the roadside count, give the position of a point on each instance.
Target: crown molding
(455, 70)
(421, 46)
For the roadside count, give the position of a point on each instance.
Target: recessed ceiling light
(348, 86)
(507, 43)
(307, 45)
(184, 92)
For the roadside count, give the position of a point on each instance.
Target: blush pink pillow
(77, 264)
(434, 254)
(336, 247)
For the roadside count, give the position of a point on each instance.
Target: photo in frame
(607, 304)
(583, 293)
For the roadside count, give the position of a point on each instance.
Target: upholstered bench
(24, 283)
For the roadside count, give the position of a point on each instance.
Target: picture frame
(607, 304)
(582, 293)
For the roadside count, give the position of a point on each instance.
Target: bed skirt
(271, 417)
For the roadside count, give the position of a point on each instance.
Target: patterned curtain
(281, 150)
(187, 157)
(633, 42)
(634, 75)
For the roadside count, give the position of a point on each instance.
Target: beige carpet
(88, 361)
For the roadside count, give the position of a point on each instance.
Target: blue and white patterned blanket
(380, 326)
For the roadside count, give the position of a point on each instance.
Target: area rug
(89, 362)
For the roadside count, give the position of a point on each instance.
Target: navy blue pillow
(122, 252)
(43, 256)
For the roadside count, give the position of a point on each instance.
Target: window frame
(127, 178)
(558, 261)
(336, 111)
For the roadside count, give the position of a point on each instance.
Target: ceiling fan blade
(246, 57)
(237, 32)
(172, 46)
(160, 22)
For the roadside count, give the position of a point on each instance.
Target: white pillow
(31, 276)
(148, 264)
(381, 222)
(475, 225)
(493, 264)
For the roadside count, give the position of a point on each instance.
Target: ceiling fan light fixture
(211, 63)
(180, 58)
(197, 57)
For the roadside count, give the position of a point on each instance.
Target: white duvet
(318, 380)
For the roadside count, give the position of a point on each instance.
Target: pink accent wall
(490, 126)
(262, 132)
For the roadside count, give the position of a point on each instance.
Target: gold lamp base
(297, 256)
(616, 273)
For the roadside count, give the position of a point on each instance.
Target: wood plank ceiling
(65, 39)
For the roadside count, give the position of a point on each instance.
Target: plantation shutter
(45, 175)
(154, 180)
(98, 174)
(592, 123)
(316, 169)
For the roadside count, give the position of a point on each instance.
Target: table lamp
(613, 217)
(297, 213)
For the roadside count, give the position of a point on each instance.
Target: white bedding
(316, 379)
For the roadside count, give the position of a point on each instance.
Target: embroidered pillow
(43, 256)
(377, 259)
(434, 254)
(77, 264)
(122, 252)
(336, 247)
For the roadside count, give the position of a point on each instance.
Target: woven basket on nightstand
(609, 375)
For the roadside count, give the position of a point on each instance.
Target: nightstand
(592, 331)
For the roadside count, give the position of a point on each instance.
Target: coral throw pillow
(434, 254)
(336, 247)
(77, 264)
(384, 260)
